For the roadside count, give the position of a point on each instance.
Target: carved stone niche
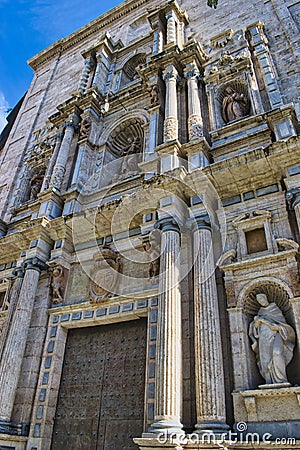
(123, 151)
(254, 234)
(104, 276)
(264, 410)
(59, 277)
(233, 100)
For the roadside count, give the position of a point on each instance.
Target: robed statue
(273, 341)
(234, 105)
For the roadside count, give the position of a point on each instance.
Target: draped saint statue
(273, 341)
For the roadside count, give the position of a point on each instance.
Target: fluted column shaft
(170, 76)
(11, 362)
(13, 294)
(62, 157)
(210, 386)
(168, 386)
(195, 122)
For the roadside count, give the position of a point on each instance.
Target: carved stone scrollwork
(170, 129)
(195, 127)
(154, 95)
(85, 128)
(57, 176)
(104, 275)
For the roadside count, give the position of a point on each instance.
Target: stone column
(62, 158)
(13, 297)
(170, 76)
(88, 64)
(13, 352)
(50, 168)
(210, 386)
(168, 386)
(195, 122)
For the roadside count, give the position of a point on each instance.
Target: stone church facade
(149, 234)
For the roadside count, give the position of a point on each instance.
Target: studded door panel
(101, 397)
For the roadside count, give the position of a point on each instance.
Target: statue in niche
(57, 284)
(234, 105)
(153, 252)
(35, 185)
(85, 128)
(154, 95)
(273, 341)
(129, 165)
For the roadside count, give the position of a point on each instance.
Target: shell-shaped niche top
(274, 292)
(123, 135)
(129, 72)
(234, 100)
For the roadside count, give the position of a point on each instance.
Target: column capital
(19, 271)
(169, 73)
(167, 224)
(72, 121)
(35, 263)
(201, 223)
(293, 197)
(191, 71)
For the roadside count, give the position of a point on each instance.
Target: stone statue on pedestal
(273, 341)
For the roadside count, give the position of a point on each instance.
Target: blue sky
(27, 27)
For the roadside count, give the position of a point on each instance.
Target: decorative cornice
(94, 27)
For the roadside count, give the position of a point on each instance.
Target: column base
(167, 427)
(14, 429)
(217, 429)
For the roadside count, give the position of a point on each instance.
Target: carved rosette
(104, 276)
(170, 129)
(195, 127)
